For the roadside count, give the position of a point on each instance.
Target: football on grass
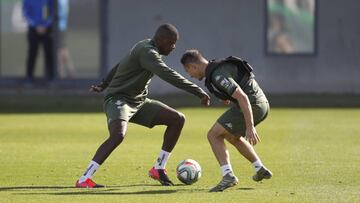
(188, 171)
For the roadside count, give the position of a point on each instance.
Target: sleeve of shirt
(51, 13)
(110, 75)
(225, 83)
(26, 13)
(152, 61)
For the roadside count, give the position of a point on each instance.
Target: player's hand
(205, 100)
(41, 30)
(96, 88)
(251, 136)
(226, 102)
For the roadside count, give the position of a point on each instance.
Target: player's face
(193, 71)
(167, 45)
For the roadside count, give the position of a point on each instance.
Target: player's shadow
(112, 192)
(109, 190)
(26, 188)
(245, 188)
(49, 187)
(102, 192)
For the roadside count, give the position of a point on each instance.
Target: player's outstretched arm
(153, 62)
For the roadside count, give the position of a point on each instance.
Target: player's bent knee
(178, 118)
(117, 138)
(211, 135)
(181, 117)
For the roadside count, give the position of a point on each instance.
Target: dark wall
(236, 27)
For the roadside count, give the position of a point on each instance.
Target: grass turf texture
(313, 153)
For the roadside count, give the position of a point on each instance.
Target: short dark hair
(191, 56)
(166, 31)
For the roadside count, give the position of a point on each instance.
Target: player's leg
(118, 114)
(243, 146)
(117, 131)
(156, 113)
(216, 140)
(66, 66)
(174, 122)
(248, 151)
(47, 40)
(33, 46)
(234, 122)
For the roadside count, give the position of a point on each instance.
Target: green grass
(313, 153)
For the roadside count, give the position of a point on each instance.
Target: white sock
(90, 170)
(162, 160)
(257, 165)
(225, 169)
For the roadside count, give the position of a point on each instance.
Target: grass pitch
(313, 153)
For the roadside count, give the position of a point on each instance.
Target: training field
(313, 153)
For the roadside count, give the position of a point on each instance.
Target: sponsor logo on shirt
(225, 83)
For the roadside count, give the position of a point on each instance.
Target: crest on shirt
(118, 102)
(229, 125)
(225, 83)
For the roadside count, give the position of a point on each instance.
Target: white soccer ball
(188, 171)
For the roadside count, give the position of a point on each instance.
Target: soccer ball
(188, 171)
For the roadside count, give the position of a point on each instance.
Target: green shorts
(142, 114)
(234, 122)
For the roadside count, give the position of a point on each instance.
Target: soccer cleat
(262, 173)
(88, 183)
(161, 176)
(229, 180)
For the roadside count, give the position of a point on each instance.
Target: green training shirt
(130, 78)
(224, 79)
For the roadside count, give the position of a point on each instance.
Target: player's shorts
(233, 120)
(142, 114)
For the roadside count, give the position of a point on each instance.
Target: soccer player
(232, 81)
(126, 101)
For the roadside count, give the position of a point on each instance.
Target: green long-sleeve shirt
(130, 78)
(224, 79)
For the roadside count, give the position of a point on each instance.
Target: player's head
(194, 63)
(165, 38)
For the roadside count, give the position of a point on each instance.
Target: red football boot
(161, 176)
(88, 183)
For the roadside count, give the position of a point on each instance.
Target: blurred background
(305, 53)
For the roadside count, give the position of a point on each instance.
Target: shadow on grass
(245, 188)
(49, 187)
(33, 188)
(103, 192)
(109, 190)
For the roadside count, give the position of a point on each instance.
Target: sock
(225, 169)
(90, 170)
(257, 165)
(162, 160)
